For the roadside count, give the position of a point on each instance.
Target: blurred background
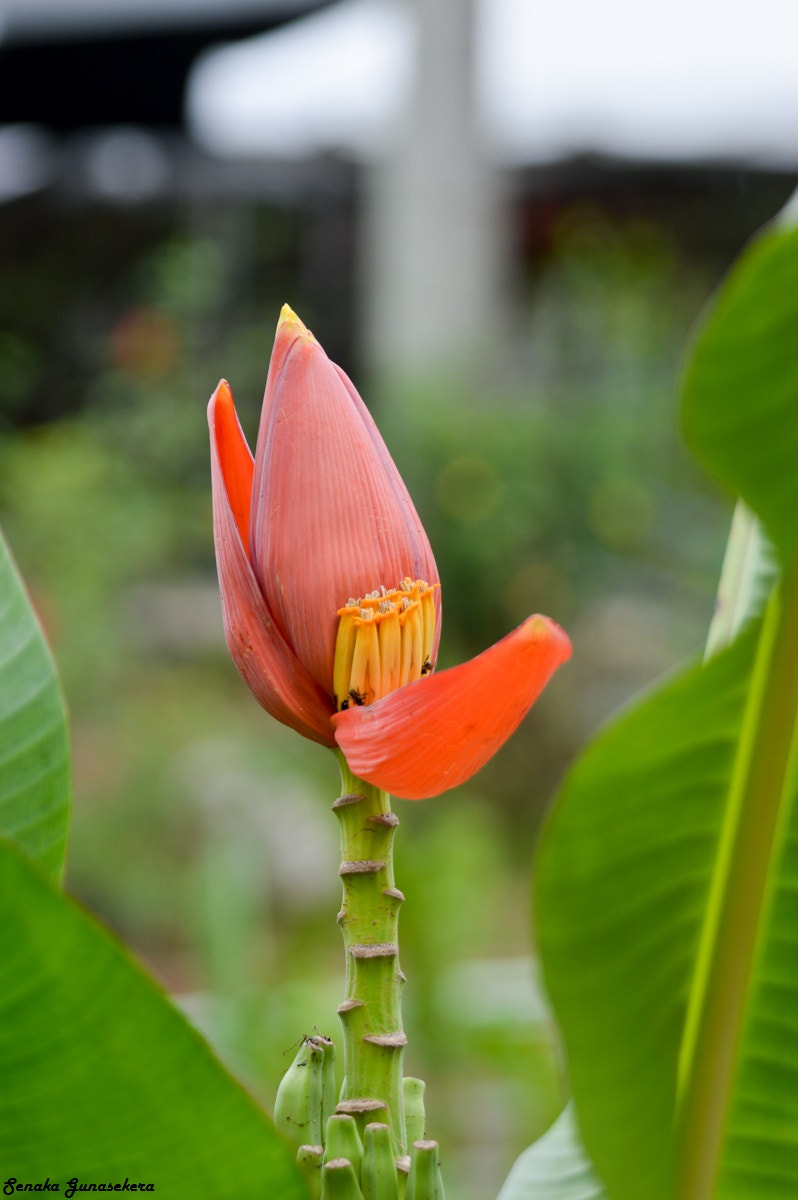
(502, 218)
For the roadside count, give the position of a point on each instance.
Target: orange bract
(435, 734)
(235, 460)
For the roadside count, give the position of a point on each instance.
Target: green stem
(371, 1013)
(757, 810)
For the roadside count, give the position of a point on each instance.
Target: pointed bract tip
(542, 629)
(222, 396)
(289, 317)
(224, 392)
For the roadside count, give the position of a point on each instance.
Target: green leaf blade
(103, 1079)
(624, 873)
(555, 1167)
(34, 744)
(762, 1131)
(746, 874)
(682, 1031)
(740, 390)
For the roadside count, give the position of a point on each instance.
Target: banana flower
(330, 594)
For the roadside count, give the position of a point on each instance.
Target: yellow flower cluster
(384, 641)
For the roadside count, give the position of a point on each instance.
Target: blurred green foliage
(554, 482)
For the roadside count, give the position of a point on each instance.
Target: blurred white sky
(674, 80)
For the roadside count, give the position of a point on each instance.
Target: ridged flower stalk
(371, 1013)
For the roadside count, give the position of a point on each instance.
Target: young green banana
(297, 1107)
(329, 1091)
(342, 1140)
(308, 1159)
(339, 1181)
(378, 1175)
(415, 1117)
(424, 1181)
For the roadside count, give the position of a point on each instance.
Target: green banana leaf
(102, 1079)
(740, 392)
(555, 1167)
(34, 748)
(667, 875)
(623, 877)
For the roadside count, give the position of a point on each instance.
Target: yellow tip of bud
(289, 317)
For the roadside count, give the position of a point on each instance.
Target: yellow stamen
(344, 652)
(390, 635)
(385, 640)
(429, 620)
(412, 642)
(364, 682)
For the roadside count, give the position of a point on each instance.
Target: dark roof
(111, 62)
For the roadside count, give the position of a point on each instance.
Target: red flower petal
(331, 517)
(437, 732)
(267, 664)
